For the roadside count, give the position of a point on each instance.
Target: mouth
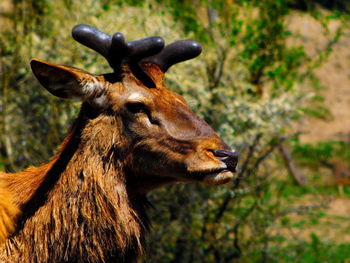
(214, 177)
(223, 173)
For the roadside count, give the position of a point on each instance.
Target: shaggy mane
(75, 208)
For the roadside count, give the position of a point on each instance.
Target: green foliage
(310, 252)
(248, 84)
(314, 154)
(317, 111)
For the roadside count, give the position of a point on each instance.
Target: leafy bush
(314, 154)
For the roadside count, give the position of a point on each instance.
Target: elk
(132, 135)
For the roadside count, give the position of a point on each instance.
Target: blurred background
(273, 80)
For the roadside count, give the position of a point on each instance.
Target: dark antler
(174, 53)
(151, 50)
(115, 49)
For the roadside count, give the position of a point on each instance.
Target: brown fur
(76, 206)
(88, 203)
(8, 212)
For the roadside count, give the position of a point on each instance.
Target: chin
(218, 178)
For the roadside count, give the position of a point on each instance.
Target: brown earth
(5, 10)
(332, 225)
(334, 75)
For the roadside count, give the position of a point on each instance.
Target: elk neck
(80, 201)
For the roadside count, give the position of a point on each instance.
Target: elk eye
(136, 107)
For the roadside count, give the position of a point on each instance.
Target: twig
(298, 177)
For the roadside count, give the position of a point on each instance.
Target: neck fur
(76, 207)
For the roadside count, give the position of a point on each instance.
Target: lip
(219, 177)
(208, 172)
(213, 177)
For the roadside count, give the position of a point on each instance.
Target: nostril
(224, 153)
(228, 157)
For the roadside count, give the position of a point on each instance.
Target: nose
(228, 157)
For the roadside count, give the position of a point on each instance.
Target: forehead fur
(152, 70)
(132, 89)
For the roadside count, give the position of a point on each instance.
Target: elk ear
(66, 82)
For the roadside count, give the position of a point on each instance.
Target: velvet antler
(174, 53)
(115, 49)
(147, 50)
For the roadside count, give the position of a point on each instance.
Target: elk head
(131, 112)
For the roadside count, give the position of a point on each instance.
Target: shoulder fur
(8, 212)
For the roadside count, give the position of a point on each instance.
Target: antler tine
(115, 48)
(145, 47)
(92, 38)
(118, 50)
(174, 53)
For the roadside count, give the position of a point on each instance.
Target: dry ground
(334, 75)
